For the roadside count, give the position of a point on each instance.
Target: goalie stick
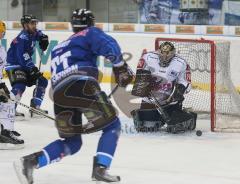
(161, 111)
(40, 62)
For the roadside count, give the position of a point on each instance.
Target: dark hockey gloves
(178, 93)
(123, 75)
(43, 42)
(4, 93)
(34, 74)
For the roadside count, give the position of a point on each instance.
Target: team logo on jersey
(173, 73)
(23, 36)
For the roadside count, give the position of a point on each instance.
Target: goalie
(162, 79)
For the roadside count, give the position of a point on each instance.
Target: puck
(198, 132)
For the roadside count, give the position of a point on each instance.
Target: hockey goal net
(212, 91)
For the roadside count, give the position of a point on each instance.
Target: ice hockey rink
(142, 158)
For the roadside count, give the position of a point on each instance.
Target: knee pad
(18, 89)
(114, 126)
(72, 144)
(60, 148)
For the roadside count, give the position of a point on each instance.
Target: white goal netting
(212, 91)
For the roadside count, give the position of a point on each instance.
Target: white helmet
(166, 52)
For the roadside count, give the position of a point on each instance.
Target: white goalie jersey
(3, 56)
(178, 71)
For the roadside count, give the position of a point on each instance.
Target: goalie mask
(166, 52)
(81, 19)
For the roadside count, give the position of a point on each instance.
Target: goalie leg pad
(75, 95)
(147, 118)
(182, 121)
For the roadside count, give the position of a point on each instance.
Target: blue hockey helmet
(28, 19)
(82, 18)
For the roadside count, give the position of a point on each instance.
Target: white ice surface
(160, 158)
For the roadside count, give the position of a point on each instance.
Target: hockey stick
(159, 107)
(40, 62)
(113, 91)
(34, 110)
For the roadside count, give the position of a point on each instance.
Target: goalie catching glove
(123, 75)
(4, 93)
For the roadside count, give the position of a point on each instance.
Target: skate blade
(102, 182)
(18, 167)
(8, 146)
(99, 181)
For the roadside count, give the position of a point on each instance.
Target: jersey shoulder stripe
(151, 56)
(179, 60)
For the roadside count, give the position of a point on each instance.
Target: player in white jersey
(8, 137)
(163, 77)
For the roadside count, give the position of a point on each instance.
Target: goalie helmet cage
(212, 89)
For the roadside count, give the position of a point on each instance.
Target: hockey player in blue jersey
(76, 91)
(20, 68)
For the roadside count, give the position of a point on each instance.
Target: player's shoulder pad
(61, 45)
(23, 35)
(149, 56)
(95, 29)
(180, 60)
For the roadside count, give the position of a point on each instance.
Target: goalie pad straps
(142, 85)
